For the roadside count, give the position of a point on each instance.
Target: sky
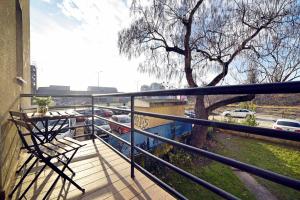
(74, 41)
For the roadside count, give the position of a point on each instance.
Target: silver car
(238, 113)
(287, 125)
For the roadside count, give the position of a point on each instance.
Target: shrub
(250, 121)
(181, 158)
(210, 133)
(230, 120)
(248, 105)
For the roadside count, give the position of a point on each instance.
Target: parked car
(287, 125)
(238, 113)
(103, 112)
(117, 112)
(190, 113)
(79, 117)
(65, 133)
(86, 113)
(122, 119)
(99, 122)
(97, 111)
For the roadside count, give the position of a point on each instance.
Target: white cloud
(80, 39)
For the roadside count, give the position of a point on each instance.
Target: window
(19, 39)
(286, 123)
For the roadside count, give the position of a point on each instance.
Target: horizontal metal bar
(55, 95)
(73, 127)
(287, 135)
(113, 135)
(84, 135)
(144, 171)
(112, 108)
(205, 184)
(266, 88)
(162, 184)
(278, 178)
(111, 121)
(112, 148)
(190, 176)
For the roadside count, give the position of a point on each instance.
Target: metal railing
(274, 88)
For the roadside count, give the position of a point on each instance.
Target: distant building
(152, 86)
(102, 90)
(145, 88)
(62, 89)
(54, 89)
(33, 74)
(157, 86)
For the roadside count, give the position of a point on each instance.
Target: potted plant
(43, 103)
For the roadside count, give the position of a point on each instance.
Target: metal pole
(132, 137)
(93, 117)
(99, 78)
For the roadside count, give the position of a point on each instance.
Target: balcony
(103, 173)
(106, 173)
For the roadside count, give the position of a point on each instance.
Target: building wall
(14, 62)
(145, 122)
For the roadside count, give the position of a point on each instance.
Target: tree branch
(175, 49)
(225, 102)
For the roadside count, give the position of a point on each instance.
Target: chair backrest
(19, 119)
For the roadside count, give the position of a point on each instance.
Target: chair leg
(71, 170)
(22, 179)
(66, 165)
(61, 174)
(35, 178)
(25, 163)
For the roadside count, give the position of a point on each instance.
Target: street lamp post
(99, 78)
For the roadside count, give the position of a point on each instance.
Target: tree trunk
(199, 133)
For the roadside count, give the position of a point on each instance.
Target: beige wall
(14, 61)
(144, 122)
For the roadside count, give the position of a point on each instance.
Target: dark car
(98, 122)
(97, 111)
(79, 117)
(84, 114)
(122, 119)
(120, 112)
(103, 112)
(190, 113)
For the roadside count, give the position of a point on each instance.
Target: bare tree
(281, 63)
(193, 38)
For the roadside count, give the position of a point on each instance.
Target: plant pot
(42, 109)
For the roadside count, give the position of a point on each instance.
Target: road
(264, 120)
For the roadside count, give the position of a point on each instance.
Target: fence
(274, 88)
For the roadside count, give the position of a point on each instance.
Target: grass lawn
(277, 158)
(214, 173)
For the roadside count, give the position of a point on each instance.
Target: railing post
(93, 118)
(132, 136)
